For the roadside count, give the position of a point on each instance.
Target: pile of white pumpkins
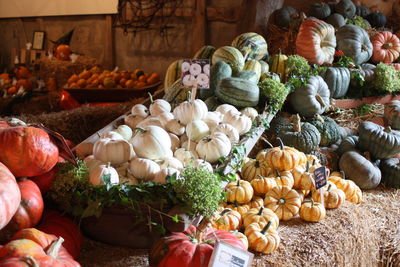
(156, 142)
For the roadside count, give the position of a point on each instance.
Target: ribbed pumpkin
(348, 144)
(346, 8)
(320, 10)
(297, 172)
(256, 202)
(362, 11)
(328, 128)
(241, 208)
(392, 114)
(252, 45)
(350, 189)
(27, 151)
(337, 79)
(238, 92)
(204, 52)
(336, 20)
(311, 211)
(354, 42)
(302, 136)
(386, 47)
(306, 179)
(253, 168)
(391, 172)
(263, 239)
(261, 216)
(284, 178)
(262, 185)
(312, 98)
(242, 237)
(230, 55)
(282, 200)
(333, 197)
(377, 19)
(239, 191)
(284, 16)
(173, 73)
(10, 196)
(382, 142)
(226, 219)
(316, 41)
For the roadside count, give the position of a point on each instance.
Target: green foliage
(297, 65)
(274, 93)
(199, 191)
(387, 78)
(345, 61)
(364, 109)
(359, 21)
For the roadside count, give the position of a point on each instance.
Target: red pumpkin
(4, 124)
(386, 47)
(27, 151)
(37, 248)
(55, 223)
(45, 180)
(63, 52)
(10, 196)
(29, 211)
(191, 248)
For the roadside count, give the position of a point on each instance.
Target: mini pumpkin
(242, 237)
(262, 239)
(261, 216)
(262, 185)
(351, 190)
(284, 178)
(256, 202)
(226, 219)
(241, 122)
(386, 47)
(311, 211)
(97, 175)
(152, 142)
(241, 208)
(253, 168)
(307, 181)
(333, 198)
(114, 151)
(282, 200)
(240, 191)
(214, 146)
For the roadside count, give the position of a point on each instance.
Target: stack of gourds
(156, 142)
(278, 185)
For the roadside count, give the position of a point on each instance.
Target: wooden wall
(214, 22)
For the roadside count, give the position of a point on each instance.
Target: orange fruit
(85, 74)
(140, 84)
(142, 78)
(108, 82)
(94, 83)
(12, 90)
(117, 76)
(95, 69)
(26, 84)
(74, 85)
(126, 75)
(100, 86)
(81, 83)
(152, 80)
(73, 79)
(130, 84)
(122, 82)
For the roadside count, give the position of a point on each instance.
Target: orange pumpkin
(386, 47)
(283, 158)
(63, 52)
(24, 83)
(282, 200)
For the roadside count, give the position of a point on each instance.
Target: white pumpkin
(150, 121)
(250, 112)
(165, 117)
(91, 162)
(113, 135)
(214, 146)
(175, 127)
(125, 131)
(159, 106)
(188, 111)
(189, 145)
(185, 156)
(162, 175)
(113, 151)
(133, 120)
(84, 149)
(229, 131)
(122, 169)
(128, 180)
(196, 130)
(175, 142)
(152, 142)
(97, 174)
(140, 110)
(213, 118)
(145, 169)
(224, 108)
(202, 163)
(183, 138)
(241, 122)
(171, 162)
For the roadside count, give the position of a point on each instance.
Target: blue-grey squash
(391, 172)
(346, 8)
(337, 79)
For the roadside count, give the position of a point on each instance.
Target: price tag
(196, 73)
(320, 176)
(226, 255)
(250, 45)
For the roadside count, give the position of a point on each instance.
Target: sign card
(320, 176)
(196, 73)
(226, 255)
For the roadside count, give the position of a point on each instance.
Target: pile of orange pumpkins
(95, 78)
(28, 163)
(20, 78)
(279, 185)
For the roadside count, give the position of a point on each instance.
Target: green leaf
(175, 218)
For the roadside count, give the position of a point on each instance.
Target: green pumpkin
(346, 8)
(392, 114)
(230, 55)
(383, 143)
(212, 103)
(328, 128)
(284, 16)
(173, 73)
(320, 10)
(302, 136)
(176, 93)
(312, 98)
(219, 71)
(377, 19)
(238, 92)
(336, 20)
(349, 143)
(248, 75)
(252, 45)
(205, 52)
(276, 125)
(359, 169)
(354, 42)
(337, 79)
(391, 172)
(362, 11)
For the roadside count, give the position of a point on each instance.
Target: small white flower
(195, 69)
(203, 81)
(206, 69)
(185, 66)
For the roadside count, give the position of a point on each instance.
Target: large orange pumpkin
(10, 195)
(27, 151)
(63, 52)
(386, 47)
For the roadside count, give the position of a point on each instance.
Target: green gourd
(336, 20)
(230, 55)
(248, 75)
(238, 92)
(346, 8)
(205, 52)
(219, 71)
(252, 45)
(328, 128)
(391, 172)
(348, 144)
(320, 10)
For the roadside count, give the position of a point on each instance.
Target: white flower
(206, 69)
(203, 81)
(185, 67)
(195, 69)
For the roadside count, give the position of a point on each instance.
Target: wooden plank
(108, 61)
(199, 26)
(22, 56)
(23, 39)
(40, 22)
(247, 18)
(13, 55)
(223, 14)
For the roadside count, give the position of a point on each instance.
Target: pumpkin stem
(388, 129)
(278, 173)
(320, 100)
(238, 183)
(281, 201)
(265, 229)
(200, 229)
(387, 45)
(259, 176)
(260, 211)
(280, 143)
(189, 96)
(139, 130)
(54, 248)
(266, 141)
(308, 166)
(296, 123)
(224, 212)
(364, 47)
(257, 164)
(30, 261)
(312, 201)
(329, 187)
(320, 118)
(151, 98)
